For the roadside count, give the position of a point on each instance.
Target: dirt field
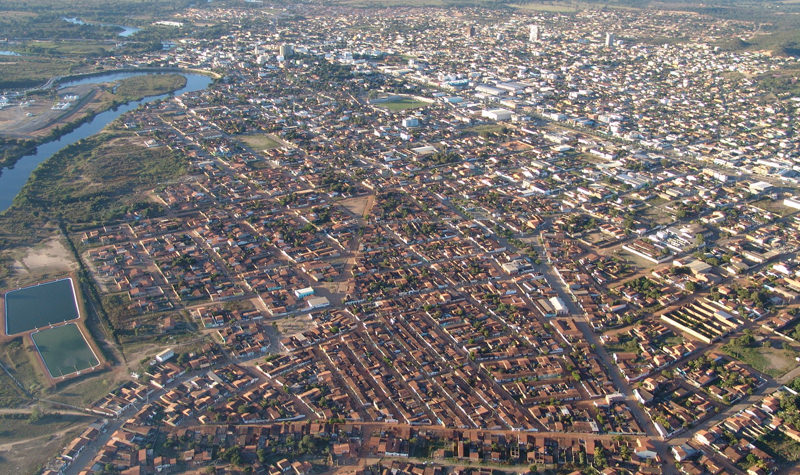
(289, 326)
(260, 142)
(359, 206)
(25, 456)
(49, 258)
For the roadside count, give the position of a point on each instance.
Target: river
(13, 178)
(126, 30)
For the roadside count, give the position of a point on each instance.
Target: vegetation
(94, 181)
(44, 18)
(12, 149)
(83, 49)
(760, 355)
(19, 361)
(10, 394)
(645, 286)
(784, 82)
(23, 426)
(138, 87)
(785, 43)
(27, 71)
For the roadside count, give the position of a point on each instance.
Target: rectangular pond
(64, 350)
(40, 306)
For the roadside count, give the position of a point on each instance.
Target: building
(304, 292)
(287, 51)
(610, 40)
(165, 355)
(558, 306)
(760, 187)
(497, 114)
(471, 31)
(318, 302)
(410, 122)
(792, 202)
(535, 34)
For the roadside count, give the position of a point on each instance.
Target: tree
(699, 240)
(35, 416)
(599, 457)
(625, 452)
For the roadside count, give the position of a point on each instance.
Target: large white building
(497, 114)
(535, 34)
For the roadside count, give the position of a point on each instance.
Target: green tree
(35, 415)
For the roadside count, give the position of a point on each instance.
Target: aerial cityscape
(429, 238)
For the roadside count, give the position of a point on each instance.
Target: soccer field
(40, 305)
(64, 350)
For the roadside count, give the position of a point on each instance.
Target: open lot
(765, 358)
(40, 305)
(774, 206)
(259, 142)
(41, 262)
(64, 350)
(401, 103)
(27, 455)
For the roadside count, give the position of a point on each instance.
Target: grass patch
(21, 362)
(591, 159)
(397, 104)
(259, 142)
(85, 391)
(637, 263)
(10, 395)
(777, 443)
(30, 456)
(781, 82)
(772, 361)
(785, 43)
(137, 87)
(26, 71)
(776, 207)
(674, 340)
(623, 346)
(14, 427)
(546, 7)
(488, 129)
(82, 49)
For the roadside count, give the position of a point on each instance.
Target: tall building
(610, 40)
(471, 31)
(287, 51)
(535, 34)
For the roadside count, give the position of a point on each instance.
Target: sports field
(397, 104)
(64, 350)
(40, 305)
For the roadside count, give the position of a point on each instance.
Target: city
(435, 240)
